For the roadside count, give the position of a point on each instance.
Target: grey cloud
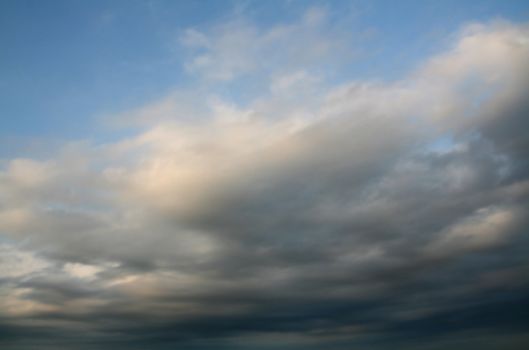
(351, 229)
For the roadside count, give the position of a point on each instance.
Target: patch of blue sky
(442, 144)
(64, 64)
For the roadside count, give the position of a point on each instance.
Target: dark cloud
(395, 219)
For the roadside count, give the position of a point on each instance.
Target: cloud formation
(238, 47)
(374, 212)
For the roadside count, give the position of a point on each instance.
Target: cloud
(238, 48)
(16, 263)
(330, 222)
(81, 270)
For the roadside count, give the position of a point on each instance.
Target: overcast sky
(264, 175)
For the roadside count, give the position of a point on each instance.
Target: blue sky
(64, 64)
(265, 175)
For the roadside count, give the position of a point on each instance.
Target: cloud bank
(316, 215)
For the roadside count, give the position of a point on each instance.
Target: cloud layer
(314, 216)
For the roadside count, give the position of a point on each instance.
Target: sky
(264, 175)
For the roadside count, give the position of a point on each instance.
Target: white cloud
(19, 263)
(82, 271)
(238, 48)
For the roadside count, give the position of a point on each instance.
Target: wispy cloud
(238, 47)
